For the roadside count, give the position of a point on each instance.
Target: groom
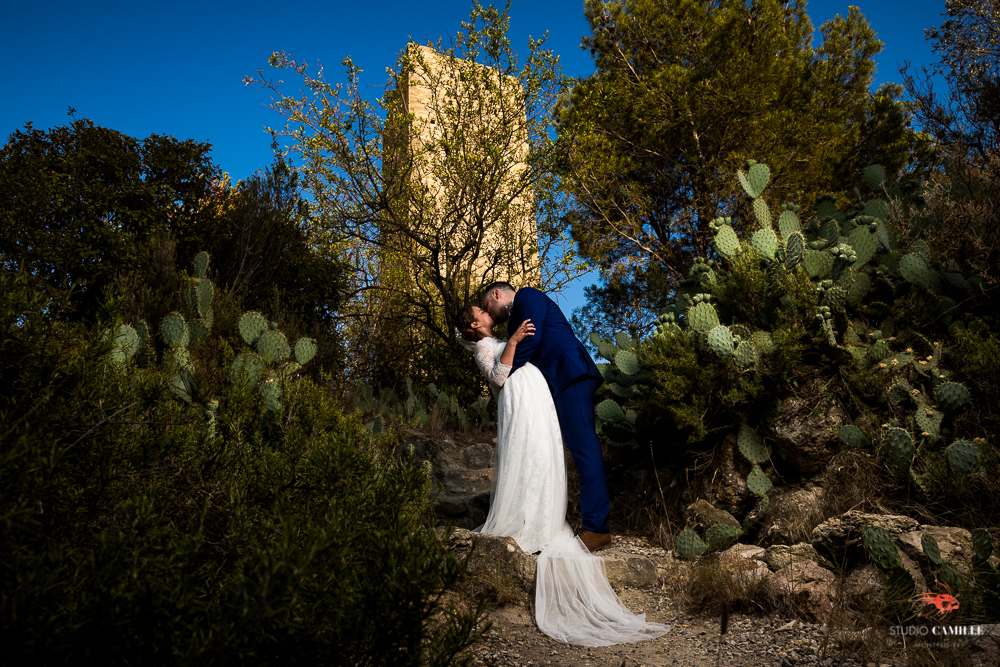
(573, 378)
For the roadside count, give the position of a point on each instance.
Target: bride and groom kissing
(544, 382)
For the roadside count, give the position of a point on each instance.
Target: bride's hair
(464, 321)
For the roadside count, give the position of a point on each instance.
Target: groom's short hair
(501, 285)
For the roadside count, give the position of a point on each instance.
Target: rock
(865, 585)
(792, 516)
(628, 570)
(460, 475)
(807, 588)
(955, 545)
(919, 582)
(839, 538)
(779, 556)
(479, 456)
(742, 563)
(702, 515)
(744, 551)
(805, 429)
(724, 486)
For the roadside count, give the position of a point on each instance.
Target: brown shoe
(595, 541)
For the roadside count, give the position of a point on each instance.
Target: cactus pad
(915, 270)
(305, 350)
(174, 330)
(124, 345)
(852, 436)
(788, 224)
(624, 341)
(610, 412)
(607, 350)
(198, 330)
(624, 391)
(817, 263)
(689, 546)
(273, 346)
(200, 264)
(182, 384)
(201, 292)
(626, 362)
(953, 397)
(929, 421)
(982, 544)
(875, 176)
(899, 448)
(248, 368)
(795, 248)
(758, 483)
(703, 318)
(931, 549)
(878, 351)
(746, 353)
(859, 286)
(762, 340)
(142, 329)
(898, 394)
(762, 213)
(726, 242)
(720, 536)
(752, 446)
(251, 326)
(876, 208)
(880, 548)
(720, 340)
(765, 242)
(886, 237)
(865, 245)
(270, 391)
(963, 457)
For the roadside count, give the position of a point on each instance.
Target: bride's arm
(526, 329)
(497, 371)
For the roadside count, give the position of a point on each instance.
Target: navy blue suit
(573, 378)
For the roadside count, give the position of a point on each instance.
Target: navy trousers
(575, 408)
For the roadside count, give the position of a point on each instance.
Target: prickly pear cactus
(899, 448)
(610, 412)
(752, 446)
(252, 325)
(174, 330)
(952, 397)
(124, 345)
(852, 436)
(880, 547)
(273, 347)
(703, 318)
(720, 536)
(720, 340)
(248, 368)
(689, 546)
(963, 457)
(200, 264)
(758, 483)
(305, 350)
(931, 550)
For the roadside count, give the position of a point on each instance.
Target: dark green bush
(130, 534)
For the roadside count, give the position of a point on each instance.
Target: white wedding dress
(574, 603)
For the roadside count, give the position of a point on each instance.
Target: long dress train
(574, 602)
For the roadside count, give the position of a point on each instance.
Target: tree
(430, 199)
(964, 125)
(683, 94)
(968, 44)
(81, 201)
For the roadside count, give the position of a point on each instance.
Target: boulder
(955, 545)
(865, 584)
(701, 515)
(461, 474)
(779, 556)
(791, 516)
(807, 588)
(629, 570)
(805, 429)
(839, 538)
(724, 485)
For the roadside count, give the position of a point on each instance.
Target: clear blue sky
(177, 68)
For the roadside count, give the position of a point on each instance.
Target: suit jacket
(554, 350)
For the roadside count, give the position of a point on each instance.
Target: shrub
(132, 533)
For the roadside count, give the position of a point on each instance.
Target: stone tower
(460, 108)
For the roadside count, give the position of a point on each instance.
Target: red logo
(937, 605)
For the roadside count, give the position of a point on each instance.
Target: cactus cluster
(881, 548)
(623, 374)
(271, 360)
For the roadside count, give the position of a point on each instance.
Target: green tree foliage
(427, 211)
(686, 91)
(81, 201)
(133, 533)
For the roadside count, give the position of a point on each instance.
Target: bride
(574, 603)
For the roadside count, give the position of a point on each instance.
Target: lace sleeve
(489, 365)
